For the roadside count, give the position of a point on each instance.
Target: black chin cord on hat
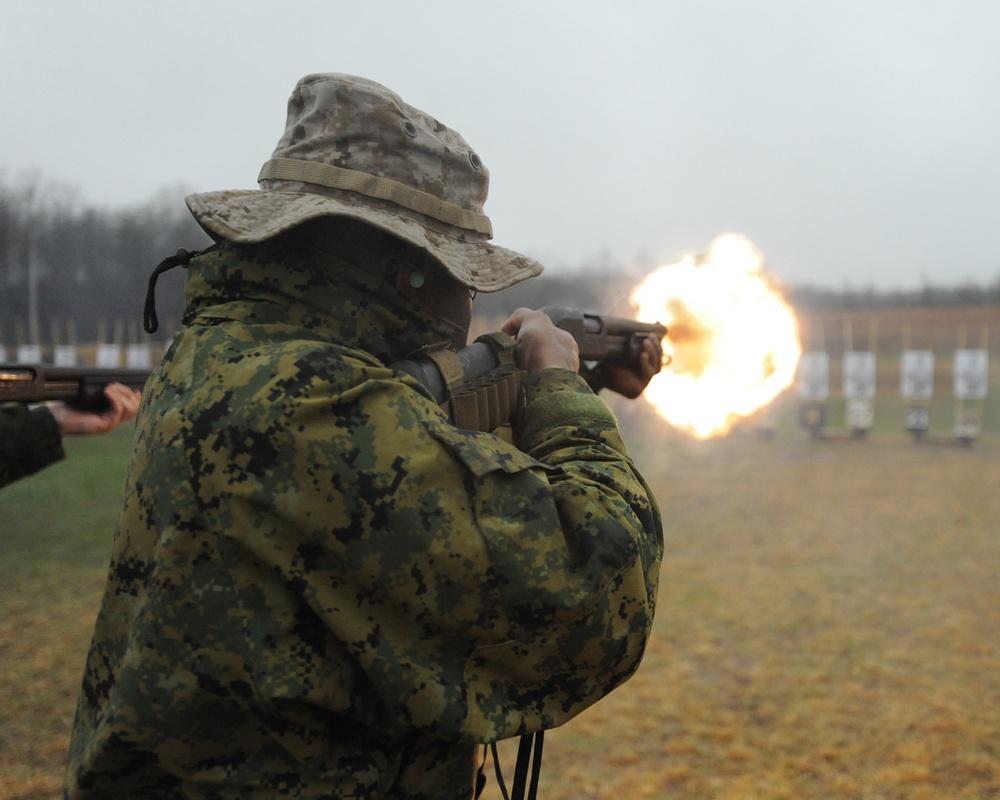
(181, 259)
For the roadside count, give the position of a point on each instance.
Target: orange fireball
(733, 342)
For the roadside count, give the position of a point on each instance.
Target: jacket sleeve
(486, 590)
(29, 441)
(579, 588)
(377, 564)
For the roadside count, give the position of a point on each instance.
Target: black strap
(480, 784)
(536, 767)
(181, 259)
(521, 768)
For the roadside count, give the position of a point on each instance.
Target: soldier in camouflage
(320, 587)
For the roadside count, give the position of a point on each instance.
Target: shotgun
(81, 388)
(601, 339)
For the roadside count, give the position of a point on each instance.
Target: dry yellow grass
(43, 642)
(827, 628)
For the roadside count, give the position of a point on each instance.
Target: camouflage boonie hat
(353, 148)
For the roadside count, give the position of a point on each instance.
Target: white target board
(109, 355)
(64, 355)
(916, 374)
(29, 354)
(970, 374)
(859, 375)
(860, 413)
(138, 356)
(813, 379)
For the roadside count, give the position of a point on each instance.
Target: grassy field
(55, 539)
(827, 625)
(827, 628)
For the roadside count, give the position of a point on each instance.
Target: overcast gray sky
(855, 142)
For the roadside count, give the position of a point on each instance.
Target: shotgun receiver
(79, 387)
(601, 339)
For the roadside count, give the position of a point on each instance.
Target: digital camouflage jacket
(29, 441)
(319, 587)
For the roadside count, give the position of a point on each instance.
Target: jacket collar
(274, 284)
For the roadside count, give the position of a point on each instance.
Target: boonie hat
(353, 148)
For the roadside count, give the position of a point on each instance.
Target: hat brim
(251, 216)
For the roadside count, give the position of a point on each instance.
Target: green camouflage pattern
(29, 441)
(321, 588)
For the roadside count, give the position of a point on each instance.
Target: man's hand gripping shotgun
(483, 376)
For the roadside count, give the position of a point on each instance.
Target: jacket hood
(295, 287)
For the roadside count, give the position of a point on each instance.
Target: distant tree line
(70, 268)
(809, 298)
(67, 266)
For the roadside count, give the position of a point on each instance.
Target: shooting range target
(970, 374)
(29, 354)
(859, 375)
(813, 378)
(109, 355)
(918, 420)
(860, 414)
(916, 374)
